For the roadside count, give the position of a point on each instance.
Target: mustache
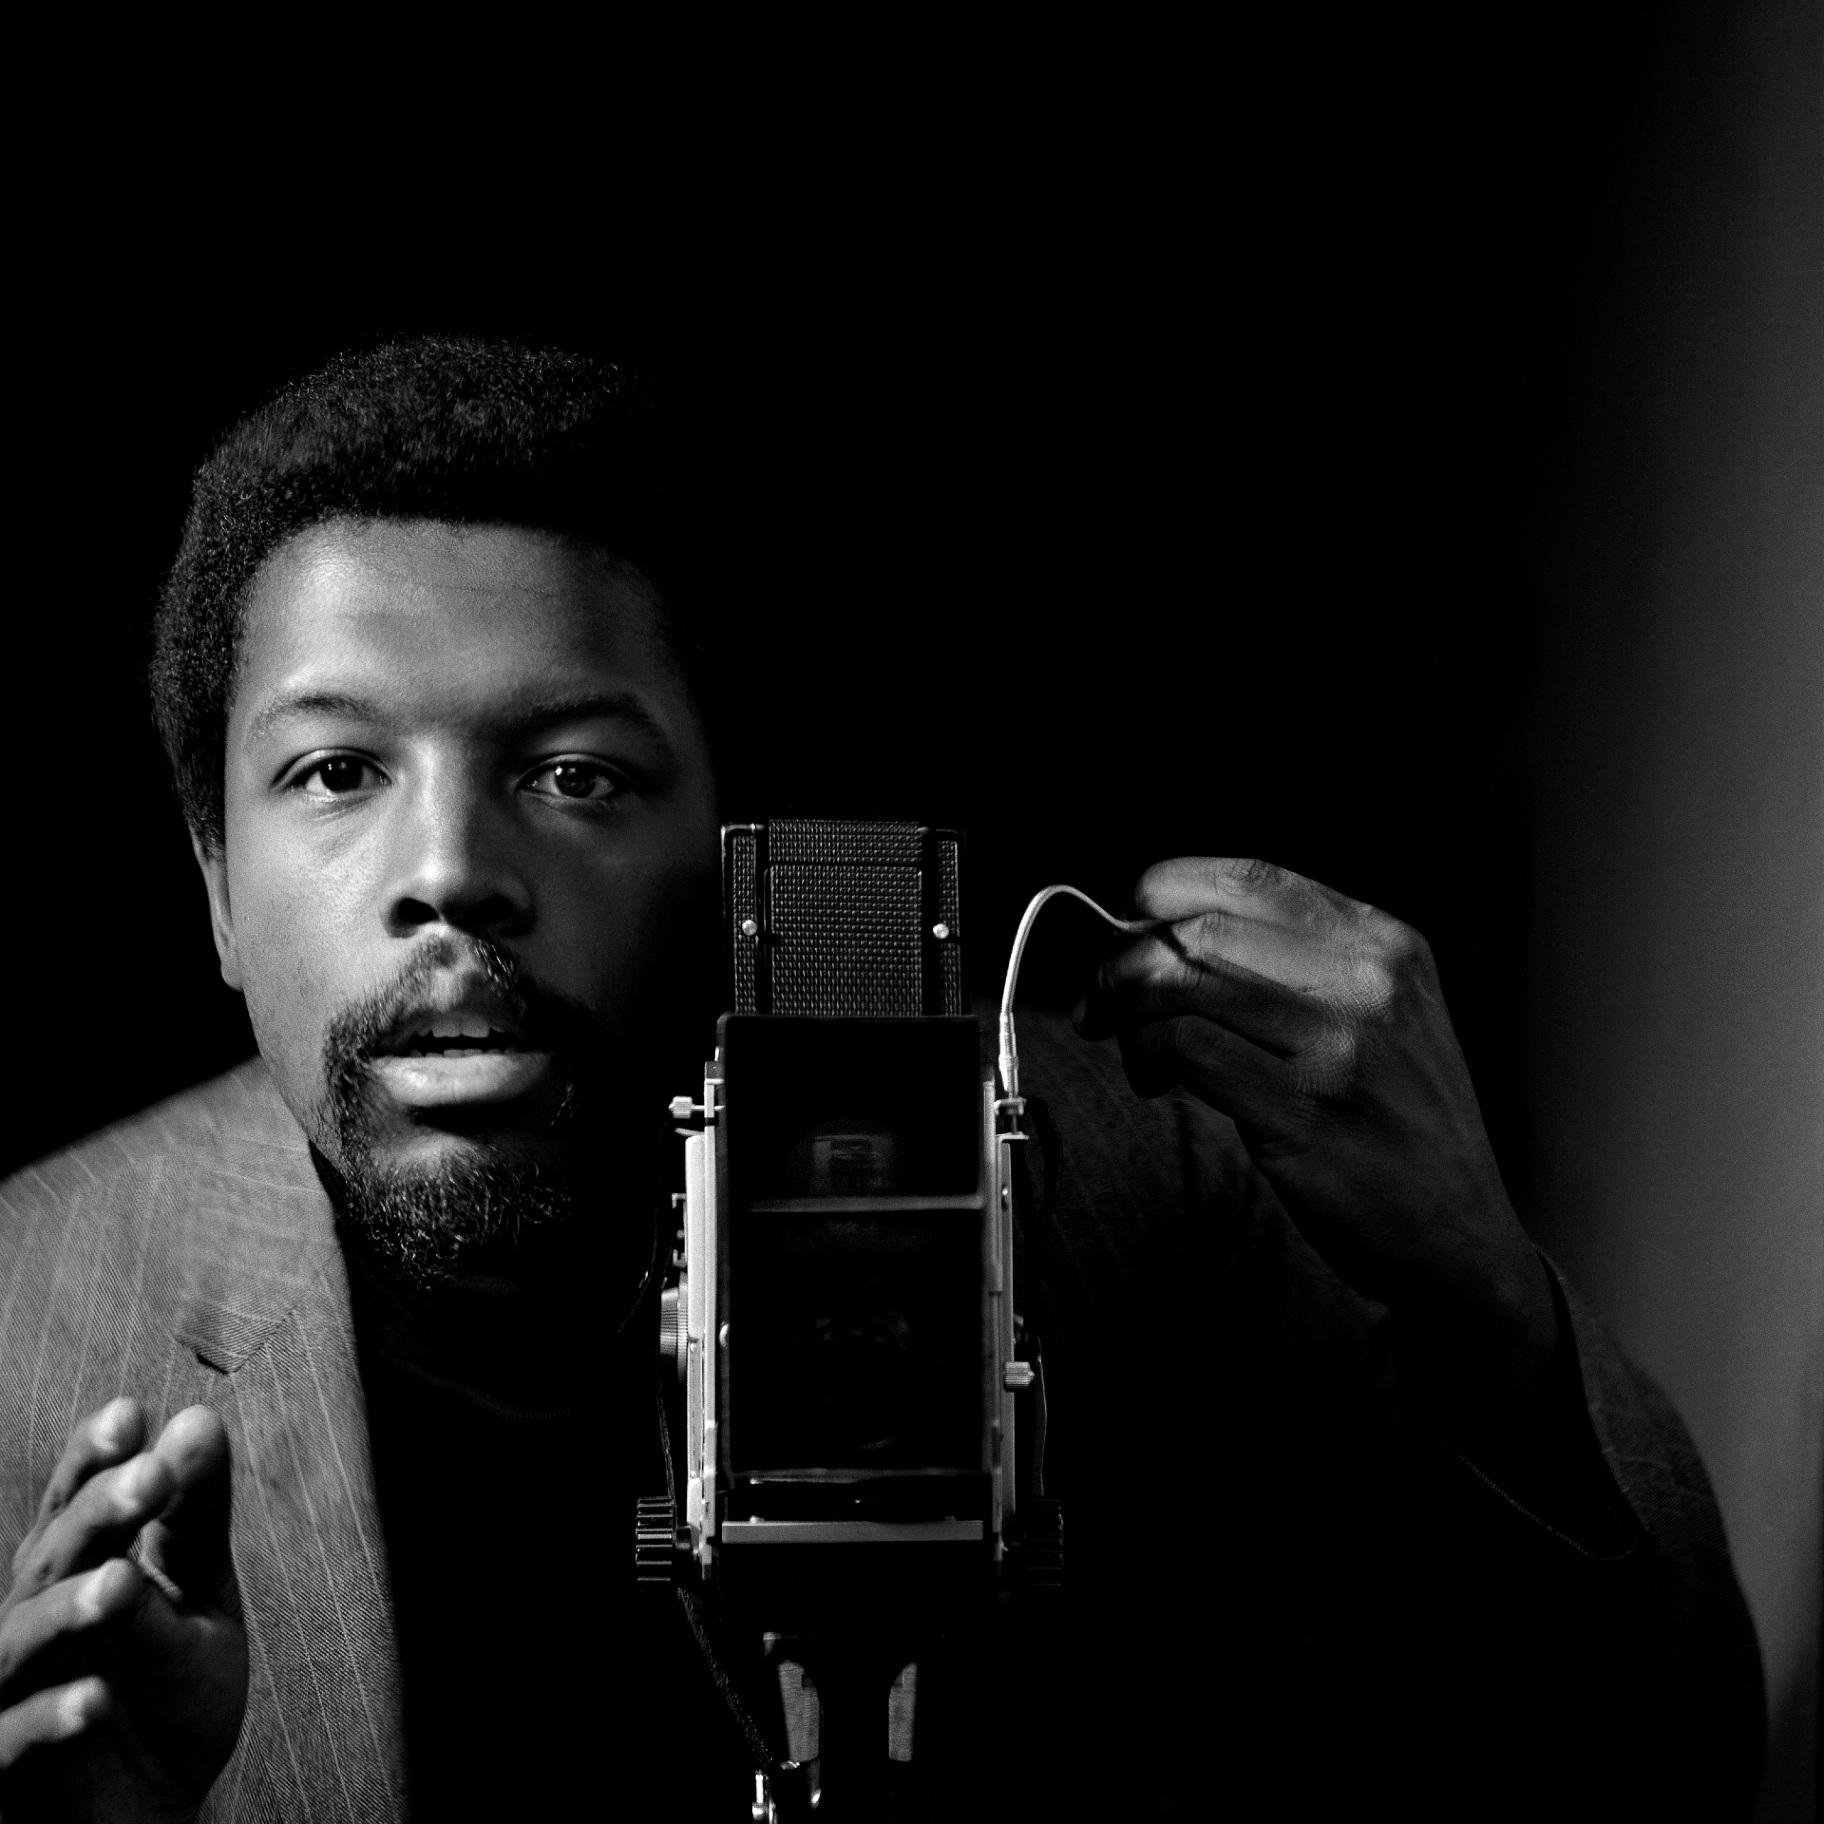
(549, 1020)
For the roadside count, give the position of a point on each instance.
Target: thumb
(189, 1544)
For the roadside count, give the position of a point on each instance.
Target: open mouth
(468, 1046)
(458, 1035)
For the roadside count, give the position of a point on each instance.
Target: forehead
(433, 611)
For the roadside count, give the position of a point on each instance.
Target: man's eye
(336, 776)
(581, 781)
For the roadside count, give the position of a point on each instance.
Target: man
(327, 1386)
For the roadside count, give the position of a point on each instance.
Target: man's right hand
(123, 1684)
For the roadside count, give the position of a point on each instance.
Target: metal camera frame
(693, 1337)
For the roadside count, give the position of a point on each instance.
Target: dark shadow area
(1174, 498)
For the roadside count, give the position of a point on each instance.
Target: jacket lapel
(260, 1321)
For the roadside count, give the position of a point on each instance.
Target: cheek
(288, 949)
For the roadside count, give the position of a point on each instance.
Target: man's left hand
(1317, 1024)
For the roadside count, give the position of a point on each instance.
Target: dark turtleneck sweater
(512, 1431)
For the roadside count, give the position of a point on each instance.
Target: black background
(1119, 450)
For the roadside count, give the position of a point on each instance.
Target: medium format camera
(843, 1323)
(852, 1400)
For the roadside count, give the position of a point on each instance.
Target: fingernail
(111, 1422)
(1078, 1014)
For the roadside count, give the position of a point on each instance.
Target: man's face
(470, 827)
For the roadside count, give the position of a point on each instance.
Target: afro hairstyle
(456, 429)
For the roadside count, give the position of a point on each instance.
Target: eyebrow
(619, 706)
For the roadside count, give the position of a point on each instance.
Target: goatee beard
(460, 1218)
(484, 1210)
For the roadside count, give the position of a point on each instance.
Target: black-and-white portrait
(575, 1241)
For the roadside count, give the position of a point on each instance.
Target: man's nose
(455, 861)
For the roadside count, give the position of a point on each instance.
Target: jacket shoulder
(236, 1114)
(180, 1235)
(161, 1184)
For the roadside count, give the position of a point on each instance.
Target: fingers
(88, 1636)
(1261, 982)
(59, 1618)
(1257, 890)
(98, 1522)
(105, 1437)
(189, 1543)
(1255, 996)
(1276, 959)
(51, 1716)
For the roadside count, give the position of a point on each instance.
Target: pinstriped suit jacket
(189, 1256)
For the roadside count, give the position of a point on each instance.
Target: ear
(214, 866)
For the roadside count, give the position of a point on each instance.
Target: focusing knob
(671, 1329)
(654, 1542)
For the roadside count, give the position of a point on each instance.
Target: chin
(438, 1152)
(445, 1206)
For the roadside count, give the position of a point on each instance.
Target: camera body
(850, 1369)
